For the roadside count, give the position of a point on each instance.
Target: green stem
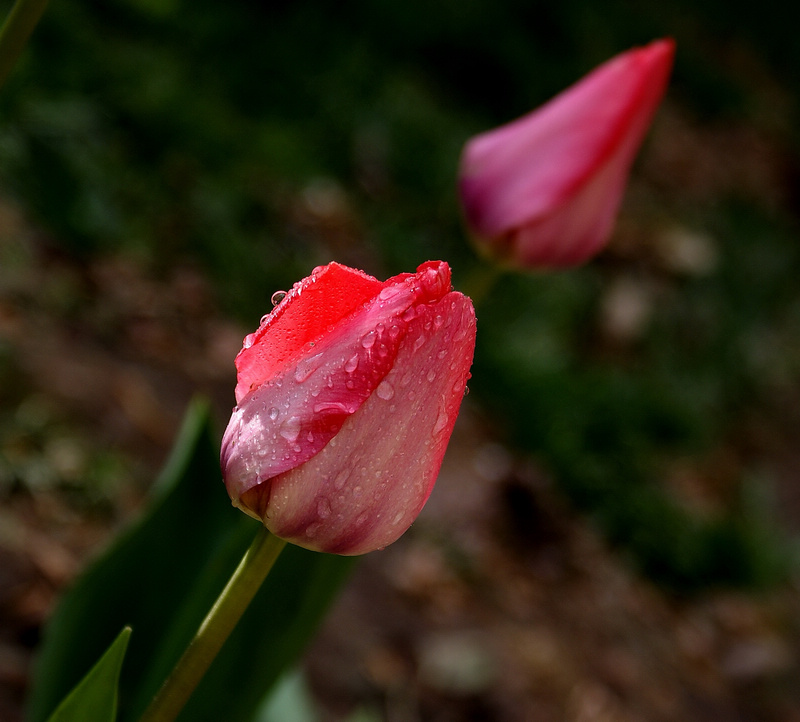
(15, 32)
(218, 624)
(479, 283)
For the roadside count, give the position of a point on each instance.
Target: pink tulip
(544, 190)
(347, 395)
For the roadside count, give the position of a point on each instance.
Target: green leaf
(163, 575)
(95, 697)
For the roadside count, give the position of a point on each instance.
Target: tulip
(544, 190)
(346, 398)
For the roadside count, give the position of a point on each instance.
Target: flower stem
(15, 32)
(479, 283)
(218, 624)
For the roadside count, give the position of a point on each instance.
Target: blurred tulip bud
(544, 190)
(347, 395)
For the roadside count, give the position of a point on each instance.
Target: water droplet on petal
(441, 354)
(431, 375)
(306, 367)
(323, 508)
(341, 477)
(277, 297)
(369, 339)
(397, 518)
(274, 414)
(263, 319)
(418, 341)
(362, 518)
(441, 422)
(357, 491)
(394, 332)
(385, 390)
(290, 429)
(438, 321)
(336, 406)
(313, 529)
(352, 364)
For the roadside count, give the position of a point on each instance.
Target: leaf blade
(96, 695)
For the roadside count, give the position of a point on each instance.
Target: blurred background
(614, 535)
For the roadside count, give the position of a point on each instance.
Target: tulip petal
(577, 231)
(556, 176)
(328, 295)
(290, 417)
(363, 490)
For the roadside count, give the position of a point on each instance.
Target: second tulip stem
(216, 627)
(480, 282)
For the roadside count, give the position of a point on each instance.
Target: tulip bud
(346, 398)
(544, 190)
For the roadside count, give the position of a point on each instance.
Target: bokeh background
(614, 535)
